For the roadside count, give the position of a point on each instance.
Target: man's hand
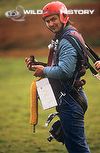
(38, 70)
(97, 65)
(29, 63)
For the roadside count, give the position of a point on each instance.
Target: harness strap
(93, 54)
(81, 50)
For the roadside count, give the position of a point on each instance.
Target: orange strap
(33, 105)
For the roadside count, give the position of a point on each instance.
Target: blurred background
(32, 34)
(30, 37)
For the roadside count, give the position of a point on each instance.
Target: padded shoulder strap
(76, 44)
(82, 51)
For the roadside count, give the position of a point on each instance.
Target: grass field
(15, 131)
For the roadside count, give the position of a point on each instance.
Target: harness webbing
(81, 50)
(92, 53)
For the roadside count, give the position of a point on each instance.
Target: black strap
(93, 54)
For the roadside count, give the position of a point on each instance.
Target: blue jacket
(67, 61)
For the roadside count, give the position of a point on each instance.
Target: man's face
(53, 23)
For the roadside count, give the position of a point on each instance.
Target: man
(64, 68)
(97, 65)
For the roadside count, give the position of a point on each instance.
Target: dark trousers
(72, 120)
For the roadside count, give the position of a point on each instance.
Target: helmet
(56, 7)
